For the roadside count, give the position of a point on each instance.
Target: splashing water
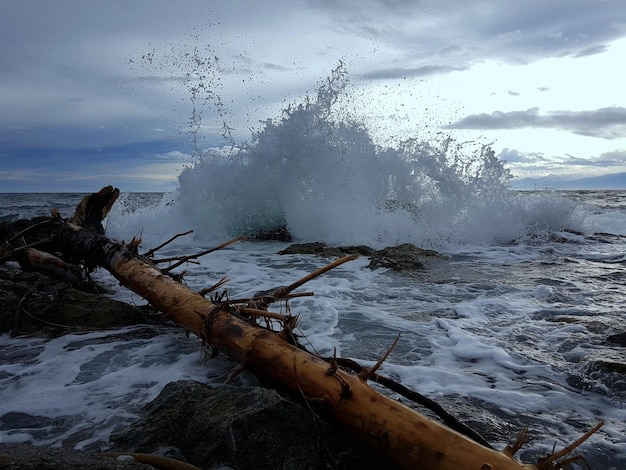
(318, 171)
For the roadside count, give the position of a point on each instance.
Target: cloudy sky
(95, 93)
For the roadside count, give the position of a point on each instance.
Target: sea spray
(318, 170)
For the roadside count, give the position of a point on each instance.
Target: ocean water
(509, 328)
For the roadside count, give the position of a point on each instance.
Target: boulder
(403, 258)
(240, 427)
(35, 304)
(321, 249)
(276, 234)
(618, 339)
(29, 457)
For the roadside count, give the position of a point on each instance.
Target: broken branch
(151, 252)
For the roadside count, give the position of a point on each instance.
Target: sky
(95, 93)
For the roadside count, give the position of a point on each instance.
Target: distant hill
(612, 181)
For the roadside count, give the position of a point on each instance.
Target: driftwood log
(336, 389)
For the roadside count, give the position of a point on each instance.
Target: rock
(41, 230)
(240, 427)
(277, 234)
(28, 457)
(48, 307)
(603, 372)
(321, 249)
(405, 257)
(619, 339)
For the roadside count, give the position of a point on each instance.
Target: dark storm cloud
(509, 31)
(79, 75)
(604, 123)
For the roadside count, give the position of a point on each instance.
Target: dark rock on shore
(240, 427)
(321, 249)
(277, 234)
(403, 258)
(213, 427)
(618, 339)
(28, 457)
(33, 303)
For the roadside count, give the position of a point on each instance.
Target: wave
(317, 170)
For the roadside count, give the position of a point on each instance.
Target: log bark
(406, 437)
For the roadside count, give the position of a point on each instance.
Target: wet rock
(603, 372)
(278, 234)
(28, 457)
(619, 339)
(245, 427)
(240, 427)
(321, 249)
(23, 232)
(405, 257)
(33, 303)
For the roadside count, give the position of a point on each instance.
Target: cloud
(523, 164)
(593, 50)
(484, 29)
(395, 73)
(616, 158)
(78, 76)
(515, 156)
(605, 123)
(144, 166)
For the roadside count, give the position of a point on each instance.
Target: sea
(512, 326)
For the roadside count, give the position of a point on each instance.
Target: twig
(265, 298)
(547, 463)
(15, 327)
(45, 322)
(255, 312)
(270, 298)
(238, 370)
(416, 397)
(320, 271)
(367, 373)
(185, 259)
(151, 252)
(31, 227)
(519, 442)
(156, 461)
(214, 287)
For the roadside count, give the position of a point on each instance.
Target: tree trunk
(406, 437)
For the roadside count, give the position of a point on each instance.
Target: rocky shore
(210, 427)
